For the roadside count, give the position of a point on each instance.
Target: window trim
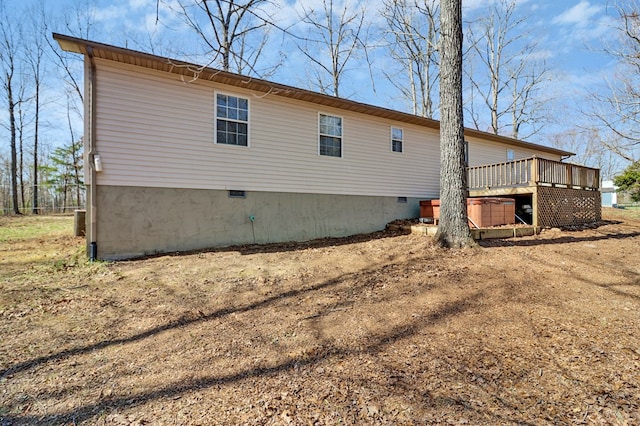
(466, 153)
(216, 118)
(401, 140)
(332, 136)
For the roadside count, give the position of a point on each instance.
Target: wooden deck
(562, 193)
(520, 176)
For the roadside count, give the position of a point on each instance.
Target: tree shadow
(490, 243)
(183, 321)
(376, 343)
(187, 320)
(632, 280)
(353, 283)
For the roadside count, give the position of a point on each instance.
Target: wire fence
(51, 198)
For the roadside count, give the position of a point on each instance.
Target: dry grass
(629, 212)
(380, 329)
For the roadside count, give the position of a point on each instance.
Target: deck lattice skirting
(565, 207)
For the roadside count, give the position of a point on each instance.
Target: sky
(570, 36)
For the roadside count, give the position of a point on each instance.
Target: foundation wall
(138, 221)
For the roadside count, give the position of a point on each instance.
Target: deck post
(534, 206)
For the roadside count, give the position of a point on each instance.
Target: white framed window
(330, 135)
(511, 155)
(397, 138)
(232, 120)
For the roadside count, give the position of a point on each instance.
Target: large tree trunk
(453, 230)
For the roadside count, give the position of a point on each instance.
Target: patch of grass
(632, 211)
(16, 228)
(624, 212)
(32, 247)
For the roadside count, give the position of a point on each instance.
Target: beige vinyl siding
(154, 130)
(482, 152)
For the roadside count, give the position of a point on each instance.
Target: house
(183, 157)
(609, 194)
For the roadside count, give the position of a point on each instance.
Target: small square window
(402, 200)
(234, 193)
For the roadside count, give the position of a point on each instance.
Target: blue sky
(570, 35)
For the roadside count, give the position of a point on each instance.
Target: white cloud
(584, 22)
(579, 14)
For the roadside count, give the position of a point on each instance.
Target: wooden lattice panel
(564, 207)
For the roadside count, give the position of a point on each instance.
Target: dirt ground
(375, 329)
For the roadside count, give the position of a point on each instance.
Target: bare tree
(235, 32)
(453, 230)
(334, 40)
(617, 111)
(21, 130)
(9, 52)
(35, 57)
(79, 21)
(506, 73)
(75, 152)
(413, 28)
(589, 149)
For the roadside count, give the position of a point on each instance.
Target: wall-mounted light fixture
(97, 162)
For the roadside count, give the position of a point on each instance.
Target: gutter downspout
(91, 132)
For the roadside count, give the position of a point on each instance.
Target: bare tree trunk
(412, 88)
(429, 81)
(34, 209)
(509, 76)
(515, 122)
(453, 230)
(76, 156)
(14, 156)
(20, 136)
(412, 26)
(8, 56)
(64, 196)
(36, 52)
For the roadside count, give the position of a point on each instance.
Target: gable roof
(189, 70)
